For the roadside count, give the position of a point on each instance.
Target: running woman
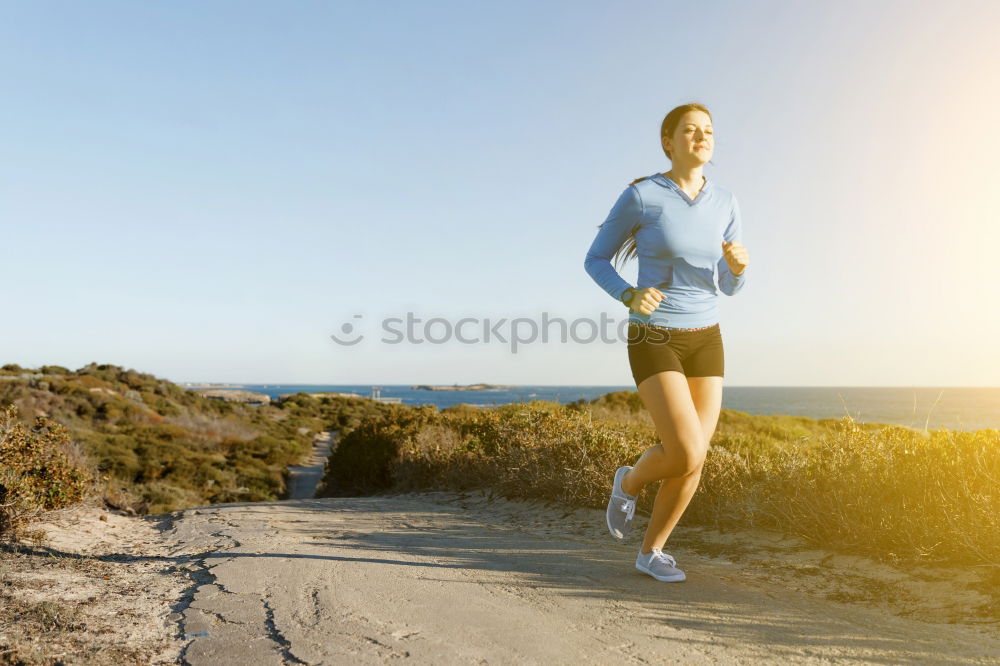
(684, 229)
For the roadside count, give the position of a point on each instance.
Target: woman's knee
(691, 462)
(685, 458)
(694, 464)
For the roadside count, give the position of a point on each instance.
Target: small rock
(104, 517)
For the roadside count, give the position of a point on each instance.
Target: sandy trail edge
(116, 577)
(120, 582)
(448, 577)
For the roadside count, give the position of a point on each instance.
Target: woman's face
(692, 142)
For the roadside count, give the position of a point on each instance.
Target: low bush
(37, 471)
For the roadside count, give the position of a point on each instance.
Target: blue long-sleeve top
(679, 248)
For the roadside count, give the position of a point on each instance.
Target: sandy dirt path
(303, 479)
(460, 578)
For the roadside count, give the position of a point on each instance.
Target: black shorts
(696, 353)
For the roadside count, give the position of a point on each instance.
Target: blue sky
(208, 191)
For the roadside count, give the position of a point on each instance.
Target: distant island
(322, 394)
(464, 387)
(234, 395)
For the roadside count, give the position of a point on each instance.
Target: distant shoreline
(463, 387)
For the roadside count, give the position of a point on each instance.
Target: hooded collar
(660, 179)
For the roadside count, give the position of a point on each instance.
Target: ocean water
(954, 408)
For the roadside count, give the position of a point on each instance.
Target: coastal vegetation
(146, 445)
(889, 492)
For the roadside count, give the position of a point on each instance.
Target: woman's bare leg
(685, 412)
(706, 393)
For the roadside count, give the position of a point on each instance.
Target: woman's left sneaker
(621, 506)
(659, 565)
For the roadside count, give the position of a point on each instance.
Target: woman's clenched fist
(736, 256)
(646, 300)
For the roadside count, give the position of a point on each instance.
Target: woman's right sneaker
(659, 565)
(621, 506)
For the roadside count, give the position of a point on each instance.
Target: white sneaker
(621, 506)
(659, 565)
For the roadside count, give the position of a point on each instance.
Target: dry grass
(891, 493)
(59, 607)
(213, 428)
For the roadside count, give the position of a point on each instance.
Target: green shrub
(36, 471)
(362, 460)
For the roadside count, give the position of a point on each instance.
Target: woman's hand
(736, 256)
(646, 300)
